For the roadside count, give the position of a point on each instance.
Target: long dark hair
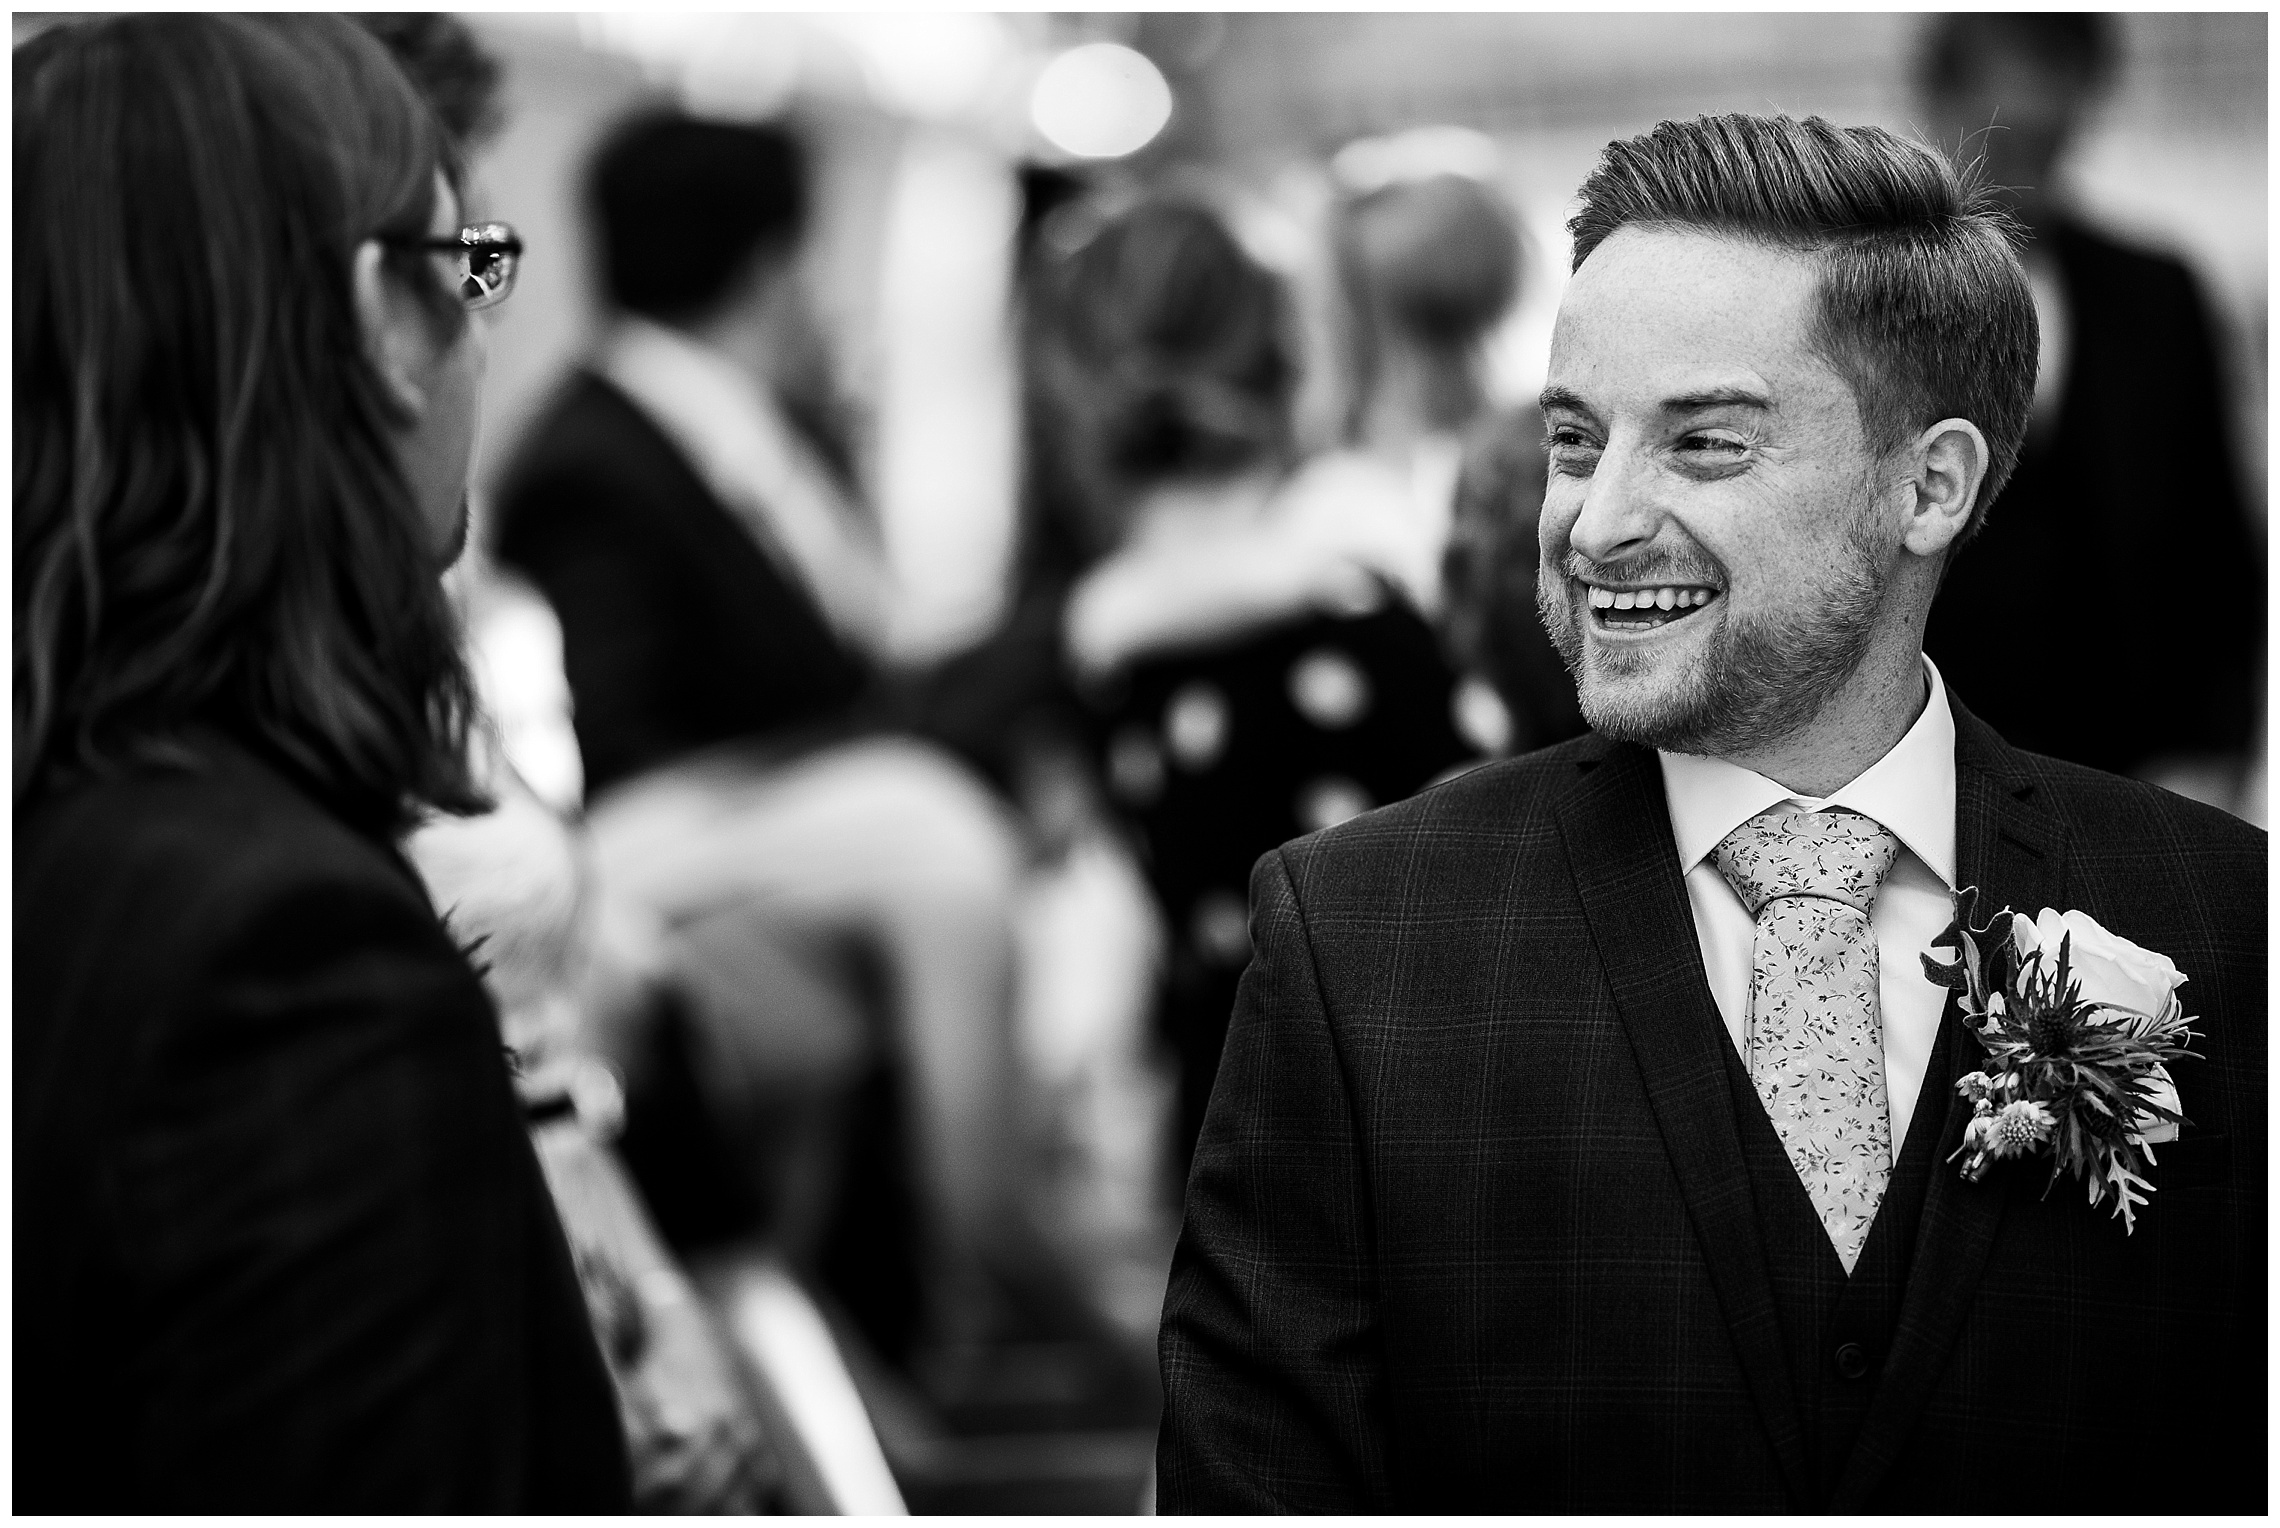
(212, 526)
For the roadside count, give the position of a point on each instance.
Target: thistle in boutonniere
(2078, 1025)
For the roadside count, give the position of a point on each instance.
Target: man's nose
(1619, 514)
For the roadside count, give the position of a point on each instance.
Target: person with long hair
(281, 1244)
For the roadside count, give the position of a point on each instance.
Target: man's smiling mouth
(1644, 609)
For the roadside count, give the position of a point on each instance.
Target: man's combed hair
(683, 207)
(1924, 307)
(212, 526)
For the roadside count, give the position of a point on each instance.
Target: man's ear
(1949, 463)
(390, 319)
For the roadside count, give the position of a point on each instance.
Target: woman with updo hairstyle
(1173, 355)
(1247, 686)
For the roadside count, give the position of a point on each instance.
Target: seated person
(1247, 685)
(723, 605)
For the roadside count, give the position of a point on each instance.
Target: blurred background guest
(1517, 695)
(1250, 684)
(769, 849)
(2134, 559)
(1427, 257)
(280, 1242)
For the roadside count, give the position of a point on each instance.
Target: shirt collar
(1911, 791)
(704, 402)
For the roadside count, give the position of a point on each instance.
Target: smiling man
(1586, 1136)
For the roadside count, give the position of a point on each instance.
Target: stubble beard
(1762, 679)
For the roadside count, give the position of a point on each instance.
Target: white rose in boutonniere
(2078, 1024)
(2112, 971)
(2130, 983)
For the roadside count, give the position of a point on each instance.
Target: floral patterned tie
(1816, 1039)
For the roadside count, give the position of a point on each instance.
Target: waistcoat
(1837, 1330)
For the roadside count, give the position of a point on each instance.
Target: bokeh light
(1100, 101)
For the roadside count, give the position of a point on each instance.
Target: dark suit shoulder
(2142, 308)
(590, 451)
(2075, 239)
(187, 844)
(2114, 811)
(585, 419)
(273, 1204)
(137, 892)
(1490, 808)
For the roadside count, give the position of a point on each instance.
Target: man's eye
(1714, 445)
(1572, 452)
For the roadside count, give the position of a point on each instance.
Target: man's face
(1712, 566)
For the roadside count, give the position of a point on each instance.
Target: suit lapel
(2015, 853)
(1616, 830)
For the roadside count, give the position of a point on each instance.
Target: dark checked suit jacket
(1485, 1216)
(280, 1242)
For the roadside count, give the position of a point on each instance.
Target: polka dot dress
(1216, 756)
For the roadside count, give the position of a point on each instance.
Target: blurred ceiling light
(1418, 154)
(1100, 101)
(742, 67)
(935, 65)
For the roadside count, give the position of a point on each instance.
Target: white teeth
(1669, 598)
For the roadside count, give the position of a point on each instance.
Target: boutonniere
(2078, 1025)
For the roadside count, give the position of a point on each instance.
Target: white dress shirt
(731, 432)
(1911, 791)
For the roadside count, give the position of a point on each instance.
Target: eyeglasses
(488, 255)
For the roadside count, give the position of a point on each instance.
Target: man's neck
(1416, 393)
(1861, 723)
(756, 327)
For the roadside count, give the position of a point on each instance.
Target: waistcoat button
(1851, 1360)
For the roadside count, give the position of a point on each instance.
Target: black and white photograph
(1140, 763)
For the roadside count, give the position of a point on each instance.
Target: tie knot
(1787, 851)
